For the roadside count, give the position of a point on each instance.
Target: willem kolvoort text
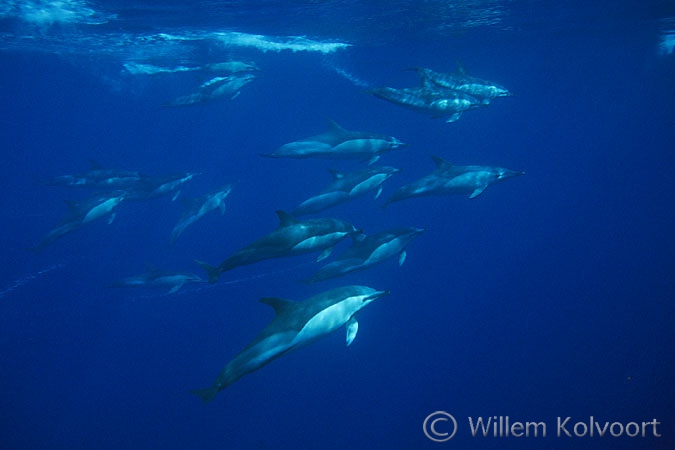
(501, 426)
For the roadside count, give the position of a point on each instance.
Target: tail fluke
(206, 394)
(212, 271)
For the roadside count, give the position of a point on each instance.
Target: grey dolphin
(82, 213)
(338, 143)
(367, 251)
(292, 237)
(197, 208)
(345, 187)
(98, 178)
(156, 186)
(295, 325)
(450, 179)
(483, 90)
(155, 278)
(439, 102)
(215, 88)
(226, 67)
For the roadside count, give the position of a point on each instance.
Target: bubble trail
(28, 278)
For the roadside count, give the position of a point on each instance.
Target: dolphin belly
(318, 242)
(327, 321)
(384, 251)
(320, 202)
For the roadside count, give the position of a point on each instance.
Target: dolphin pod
(292, 237)
(449, 179)
(114, 187)
(367, 251)
(444, 94)
(297, 324)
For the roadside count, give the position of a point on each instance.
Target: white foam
(667, 44)
(150, 69)
(47, 12)
(277, 44)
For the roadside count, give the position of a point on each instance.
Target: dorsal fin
(441, 163)
(335, 128)
(286, 219)
(280, 305)
(359, 237)
(337, 174)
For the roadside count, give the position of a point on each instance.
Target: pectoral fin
(478, 191)
(401, 257)
(373, 159)
(378, 193)
(222, 207)
(175, 196)
(324, 254)
(352, 329)
(454, 117)
(111, 218)
(176, 288)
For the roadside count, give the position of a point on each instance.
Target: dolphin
(367, 251)
(439, 102)
(345, 187)
(154, 278)
(197, 208)
(230, 67)
(292, 237)
(97, 178)
(460, 81)
(215, 88)
(450, 179)
(338, 143)
(80, 214)
(221, 67)
(156, 186)
(295, 325)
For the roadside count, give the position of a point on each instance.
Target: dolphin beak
(376, 295)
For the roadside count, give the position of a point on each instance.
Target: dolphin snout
(376, 295)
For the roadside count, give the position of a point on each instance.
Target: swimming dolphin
(97, 178)
(222, 68)
(338, 143)
(292, 237)
(230, 67)
(154, 278)
(483, 90)
(197, 208)
(345, 187)
(367, 251)
(155, 186)
(449, 179)
(439, 102)
(215, 88)
(295, 325)
(80, 214)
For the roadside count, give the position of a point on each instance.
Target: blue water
(549, 295)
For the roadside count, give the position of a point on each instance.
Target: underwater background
(550, 295)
